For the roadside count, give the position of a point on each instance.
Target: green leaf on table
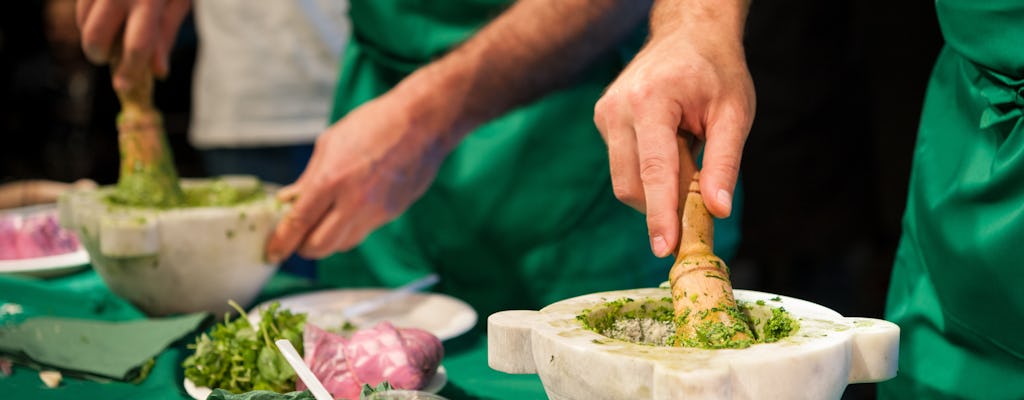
(121, 350)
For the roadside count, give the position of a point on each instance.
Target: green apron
(956, 288)
(522, 213)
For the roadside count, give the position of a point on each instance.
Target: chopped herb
(239, 357)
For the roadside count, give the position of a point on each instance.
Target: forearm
(29, 192)
(718, 19)
(533, 47)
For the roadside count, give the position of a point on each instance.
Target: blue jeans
(280, 164)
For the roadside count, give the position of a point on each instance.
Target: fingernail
(659, 245)
(95, 54)
(725, 200)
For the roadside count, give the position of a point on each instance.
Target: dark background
(839, 87)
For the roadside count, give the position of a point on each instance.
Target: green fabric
(956, 285)
(117, 350)
(83, 295)
(522, 213)
(988, 32)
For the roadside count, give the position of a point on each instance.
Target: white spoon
(300, 367)
(365, 306)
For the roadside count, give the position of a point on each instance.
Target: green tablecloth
(465, 356)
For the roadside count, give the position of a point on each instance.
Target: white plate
(444, 316)
(435, 385)
(48, 266)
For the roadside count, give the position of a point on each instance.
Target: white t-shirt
(265, 71)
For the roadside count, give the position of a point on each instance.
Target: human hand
(366, 169)
(31, 192)
(149, 28)
(678, 85)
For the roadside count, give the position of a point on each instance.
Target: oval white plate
(47, 266)
(435, 385)
(444, 316)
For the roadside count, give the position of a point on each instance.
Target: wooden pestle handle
(138, 96)
(148, 177)
(701, 290)
(140, 126)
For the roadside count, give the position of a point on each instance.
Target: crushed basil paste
(215, 193)
(652, 322)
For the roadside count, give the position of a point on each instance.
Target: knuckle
(135, 51)
(328, 181)
(602, 109)
(297, 221)
(658, 218)
(626, 193)
(639, 93)
(726, 165)
(654, 169)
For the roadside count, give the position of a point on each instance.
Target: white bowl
(180, 260)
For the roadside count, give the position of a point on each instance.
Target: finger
(343, 229)
(321, 242)
(298, 222)
(82, 12)
(100, 28)
(140, 34)
(657, 148)
(623, 163)
(359, 232)
(170, 22)
(727, 131)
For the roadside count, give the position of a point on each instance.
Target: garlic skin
(51, 378)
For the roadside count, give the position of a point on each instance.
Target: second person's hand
(366, 169)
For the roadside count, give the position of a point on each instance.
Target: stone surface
(818, 361)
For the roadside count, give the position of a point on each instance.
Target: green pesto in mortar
(140, 184)
(216, 193)
(653, 322)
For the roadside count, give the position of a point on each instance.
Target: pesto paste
(653, 322)
(215, 193)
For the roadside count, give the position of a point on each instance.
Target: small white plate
(44, 267)
(444, 316)
(435, 385)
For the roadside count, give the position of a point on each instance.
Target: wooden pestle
(148, 177)
(701, 291)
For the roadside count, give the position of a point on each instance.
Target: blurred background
(839, 87)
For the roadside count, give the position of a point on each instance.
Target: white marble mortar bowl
(817, 361)
(178, 260)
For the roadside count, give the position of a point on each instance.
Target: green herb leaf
(239, 357)
(367, 390)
